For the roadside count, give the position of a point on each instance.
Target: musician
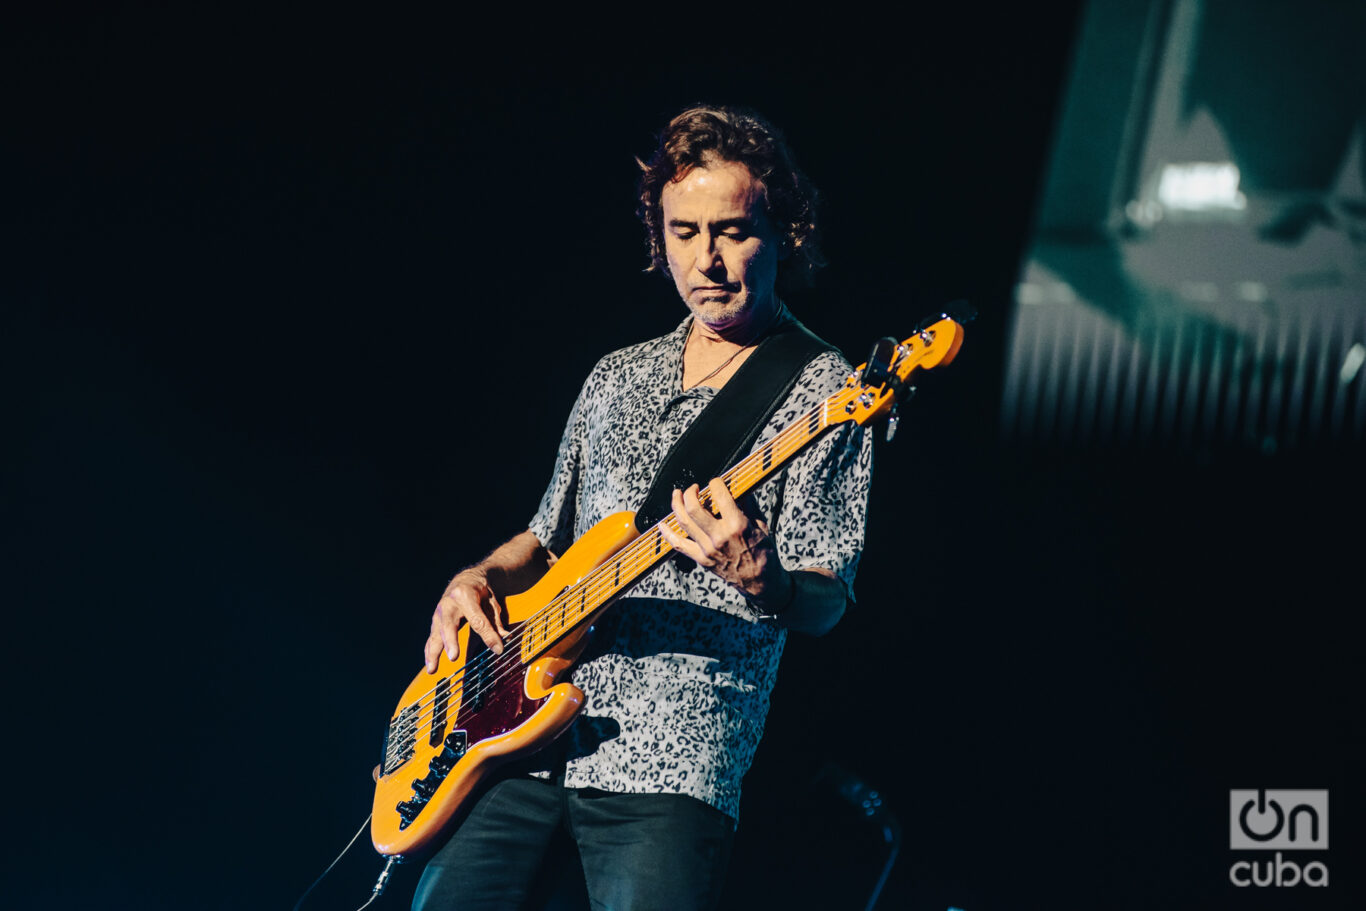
(677, 684)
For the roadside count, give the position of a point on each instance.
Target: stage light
(1352, 363)
(1201, 186)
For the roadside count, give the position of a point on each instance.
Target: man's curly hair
(702, 133)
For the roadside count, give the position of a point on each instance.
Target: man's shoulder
(640, 350)
(644, 354)
(824, 373)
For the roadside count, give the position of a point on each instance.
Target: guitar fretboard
(576, 603)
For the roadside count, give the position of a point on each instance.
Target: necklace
(777, 314)
(718, 369)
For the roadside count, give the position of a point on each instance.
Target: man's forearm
(516, 565)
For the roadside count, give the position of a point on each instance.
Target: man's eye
(685, 235)
(736, 235)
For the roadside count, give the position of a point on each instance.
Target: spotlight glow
(1201, 186)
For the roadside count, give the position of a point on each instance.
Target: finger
(480, 625)
(699, 515)
(479, 606)
(734, 521)
(692, 498)
(684, 546)
(448, 617)
(498, 613)
(687, 520)
(432, 651)
(721, 498)
(719, 529)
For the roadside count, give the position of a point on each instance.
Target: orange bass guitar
(454, 726)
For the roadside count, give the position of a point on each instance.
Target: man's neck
(741, 332)
(712, 356)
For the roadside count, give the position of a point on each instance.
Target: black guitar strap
(726, 429)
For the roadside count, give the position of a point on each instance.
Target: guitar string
(592, 586)
(502, 665)
(507, 664)
(589, 586)
(596, 594)
(845, 395)
(642, 560)
(510, 661)
(593, 583)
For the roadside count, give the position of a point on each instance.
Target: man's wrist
(477, 575)
(770, 608)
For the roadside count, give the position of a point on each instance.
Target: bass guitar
(453, 727)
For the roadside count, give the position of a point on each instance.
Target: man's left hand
(736, 544)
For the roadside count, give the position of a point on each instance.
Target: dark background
(293, 310)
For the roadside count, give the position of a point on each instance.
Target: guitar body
(480, 710)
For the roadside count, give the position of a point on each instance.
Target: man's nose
(709, 258)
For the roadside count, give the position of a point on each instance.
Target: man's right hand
(468, 599)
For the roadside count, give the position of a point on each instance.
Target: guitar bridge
(400, 740)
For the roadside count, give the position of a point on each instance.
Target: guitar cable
(379, 886)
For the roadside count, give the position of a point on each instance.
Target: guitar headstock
(875, 386)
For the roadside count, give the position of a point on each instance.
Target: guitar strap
(726, 429)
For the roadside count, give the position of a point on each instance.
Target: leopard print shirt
(678, 679)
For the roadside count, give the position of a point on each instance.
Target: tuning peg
(960, 311)
(894, 417)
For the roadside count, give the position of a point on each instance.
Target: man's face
(722, 250)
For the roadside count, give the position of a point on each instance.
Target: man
(676, 687)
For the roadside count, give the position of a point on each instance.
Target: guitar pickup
(439, 702)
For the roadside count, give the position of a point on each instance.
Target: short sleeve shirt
(678, 679)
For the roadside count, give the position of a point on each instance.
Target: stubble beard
(724, 317)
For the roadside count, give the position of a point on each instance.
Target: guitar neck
(578, 602)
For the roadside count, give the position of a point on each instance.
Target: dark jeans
(639, 851)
